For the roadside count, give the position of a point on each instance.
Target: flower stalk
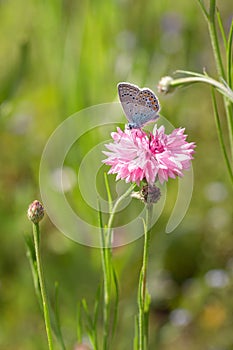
(35, 214)
(109, 275)
(36, 237)
(194, 78)
(143, 295)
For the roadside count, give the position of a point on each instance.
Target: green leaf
(87, 313)
(229, 56)
(108, 192)
(220, 24)
(203, 9)
(31, 255)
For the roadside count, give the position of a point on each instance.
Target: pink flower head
(135, 156)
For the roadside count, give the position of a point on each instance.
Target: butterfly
(141, 106)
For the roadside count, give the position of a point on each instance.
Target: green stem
(204, 79)
(220, 135)
(142, 289)
(229, 115)
(36, 236)
(214, 40)
(123, 196)
(106, 255)
(106, 263)
(229, 55)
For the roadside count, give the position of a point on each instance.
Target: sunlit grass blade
(220, 134)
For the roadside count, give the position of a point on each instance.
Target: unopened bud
(149, 194)
(164, 85)
(35, 212)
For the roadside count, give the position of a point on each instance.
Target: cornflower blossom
(135, 155)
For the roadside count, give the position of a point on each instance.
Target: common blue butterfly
(141, 106)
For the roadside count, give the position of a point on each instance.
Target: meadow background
(58, 57)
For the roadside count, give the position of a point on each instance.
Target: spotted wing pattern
(141, 106)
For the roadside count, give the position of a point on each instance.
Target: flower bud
(164, 85)
(35, 212)
(149, 194)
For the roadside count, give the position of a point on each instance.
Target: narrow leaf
(31, 255)
(229, 55)
(108, 192)
(203, 9)
(220, 24)
(87, 313)
(79, 328)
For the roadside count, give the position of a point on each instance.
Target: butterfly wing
(127, 95)
(140, 106)
(146, 108)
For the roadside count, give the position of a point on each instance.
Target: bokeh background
(58, 57)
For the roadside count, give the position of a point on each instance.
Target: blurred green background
(58, 57)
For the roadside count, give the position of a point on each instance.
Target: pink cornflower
(135, 155)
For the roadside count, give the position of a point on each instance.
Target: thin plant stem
(229, 117)
(228, 107)
(229, 56)
(142, 289)
(123, 196)
(36, 236)
(106, 263)
(106, 256)
(203, 9)
(219, 65)
(220, 135)
(214, 39)
(203, 79)
(107, 280)
(220, 24)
